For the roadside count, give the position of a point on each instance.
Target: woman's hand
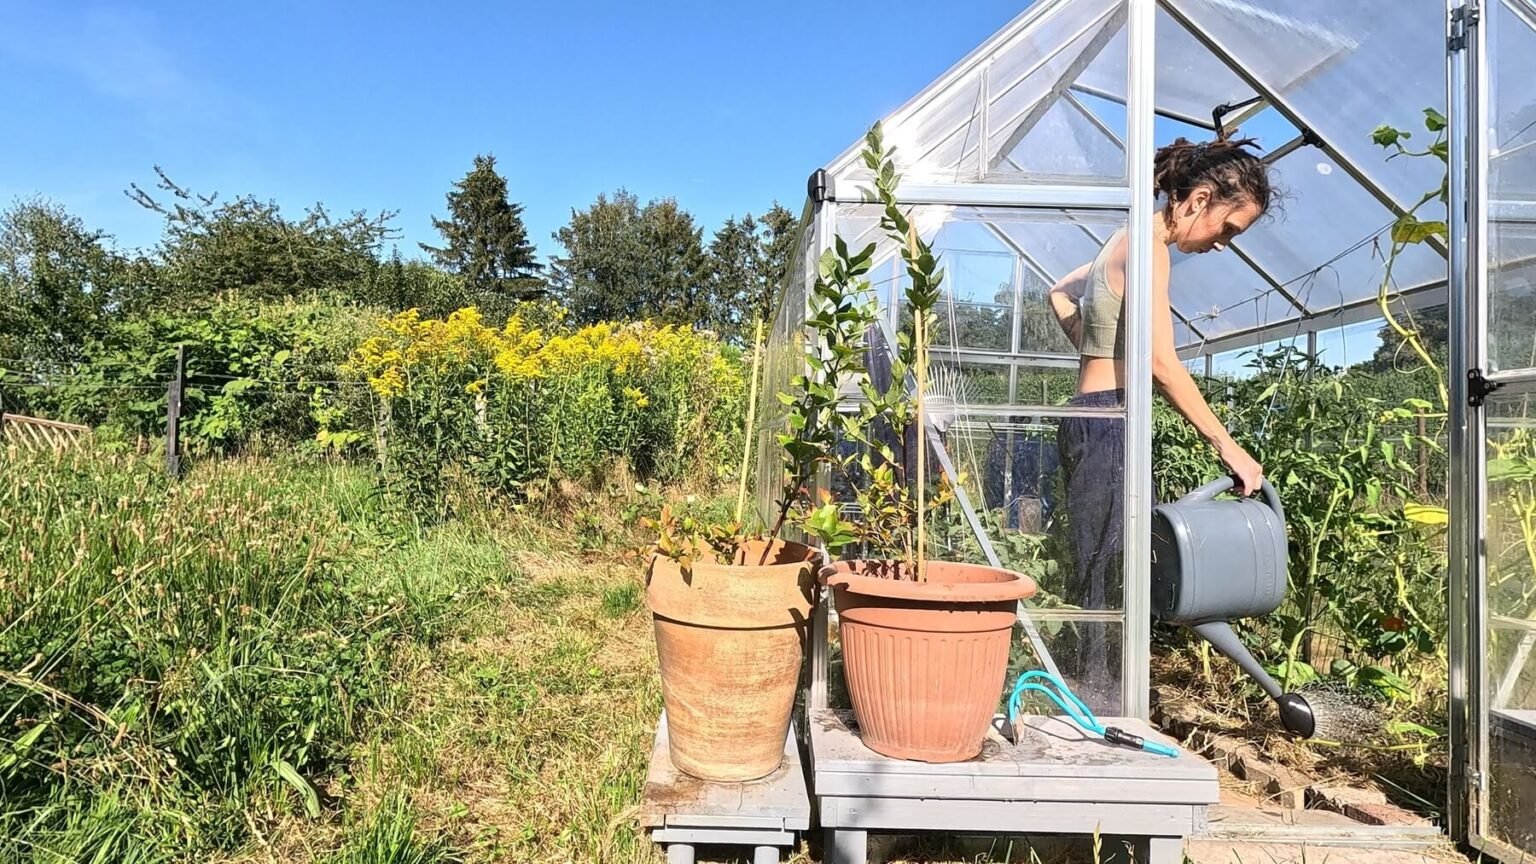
(1248, 473)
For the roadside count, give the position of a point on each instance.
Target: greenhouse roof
(1042, 103)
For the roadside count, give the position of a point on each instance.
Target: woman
(1212, 192)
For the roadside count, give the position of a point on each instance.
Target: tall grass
(180, 663)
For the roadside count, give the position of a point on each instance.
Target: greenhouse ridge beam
(1289, 111)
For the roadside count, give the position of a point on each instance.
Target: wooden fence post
(173, 415)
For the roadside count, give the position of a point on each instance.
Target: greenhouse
(1021, 161)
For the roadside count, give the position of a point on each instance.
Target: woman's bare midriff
(1096, 374)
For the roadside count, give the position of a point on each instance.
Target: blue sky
(724, 106)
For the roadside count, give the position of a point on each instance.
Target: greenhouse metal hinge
(1479, 388)
(1462, 18)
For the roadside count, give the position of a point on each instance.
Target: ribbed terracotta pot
(925, 661)
(731, 639)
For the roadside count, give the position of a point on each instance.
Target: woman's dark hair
(1225, 166)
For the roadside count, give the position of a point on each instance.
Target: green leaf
(281, 357)
(1434, 121)
(828, 264)
(300, 785)
(1426, 514)
(23, 744)
(1408, 229)
(1406, 727)
(1386, 136)
(1385, 682)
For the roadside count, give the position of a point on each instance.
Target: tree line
(64, 284)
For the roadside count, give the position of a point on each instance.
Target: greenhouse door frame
(1469, 615)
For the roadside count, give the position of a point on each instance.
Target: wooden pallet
(1055, 779)
(683, 812)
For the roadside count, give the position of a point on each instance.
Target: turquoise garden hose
(1074, 708)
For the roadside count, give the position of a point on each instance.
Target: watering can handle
(1209, 491)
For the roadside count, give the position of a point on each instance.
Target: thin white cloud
(118, 52)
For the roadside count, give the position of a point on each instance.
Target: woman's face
(1202, 225)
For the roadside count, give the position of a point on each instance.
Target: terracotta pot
(731, 639)
(925, 661)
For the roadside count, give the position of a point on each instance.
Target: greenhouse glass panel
(1344, 68)
(1034, 132)
(1510, 634)
(1512, 101)
(1057, 243)
(1039, 331)
(783, 358)
(1011, 469)
(1511, 187)
(1076, 641)
(1190, 80)
(1219, 295)
(1512, 295)
(1003, 93)
(1066, 145)
(1328, 244)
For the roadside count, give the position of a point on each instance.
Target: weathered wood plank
(1008, 817)
(960, 786)
(723, 836)
(1048, 747)
(674, 799)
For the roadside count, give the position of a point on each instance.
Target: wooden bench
(683, 812)
(1054, 780)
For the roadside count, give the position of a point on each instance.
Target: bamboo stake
(922, 478)
(746, 446)
(920, 355)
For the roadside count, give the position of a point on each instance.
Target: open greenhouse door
(1493, 371)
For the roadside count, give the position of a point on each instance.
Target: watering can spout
(1296, 713)
(1220, 635)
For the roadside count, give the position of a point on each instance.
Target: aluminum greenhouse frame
(1021, 159)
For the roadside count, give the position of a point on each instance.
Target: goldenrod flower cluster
(652, 393)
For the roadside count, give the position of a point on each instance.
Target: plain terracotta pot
(731, 639)
(925, 661)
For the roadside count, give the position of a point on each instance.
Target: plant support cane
(921, 347)
(746, 443)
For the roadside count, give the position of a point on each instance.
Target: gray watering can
(1215, 560)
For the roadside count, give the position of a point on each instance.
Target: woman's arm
(1064, 297)
(1178, 386)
